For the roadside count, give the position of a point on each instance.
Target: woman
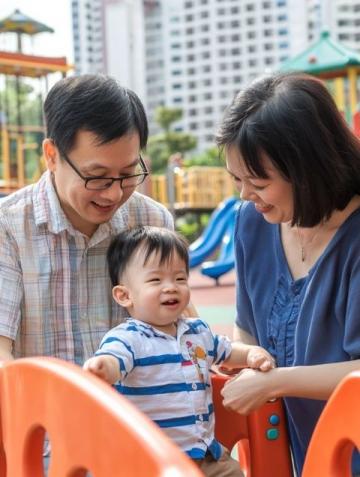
(296, 165)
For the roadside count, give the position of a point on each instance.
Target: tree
(162, 146)
(30, 105)
(19, 103)
(165, 117)
(211, 157)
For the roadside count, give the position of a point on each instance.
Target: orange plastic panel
(336, 433)
(90, 426)
(264, 449)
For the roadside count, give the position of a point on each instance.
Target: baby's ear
(121, 296)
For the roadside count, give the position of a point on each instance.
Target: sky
(55, 14)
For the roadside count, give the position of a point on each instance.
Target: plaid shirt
(55, 292)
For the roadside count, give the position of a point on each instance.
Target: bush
(191, 225)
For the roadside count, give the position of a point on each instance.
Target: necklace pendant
(302, 254)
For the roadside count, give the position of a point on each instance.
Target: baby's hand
(101, 367)
(259, 358)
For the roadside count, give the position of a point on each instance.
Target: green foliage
(23, 93)
(211, 157)
(180, 142)
(165, 117)
(191, 225)
(163, 145)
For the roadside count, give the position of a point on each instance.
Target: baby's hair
(151, 239)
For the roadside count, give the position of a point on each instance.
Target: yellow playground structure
(195, 188)
(19, 140)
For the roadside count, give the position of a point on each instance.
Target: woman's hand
(249, 390)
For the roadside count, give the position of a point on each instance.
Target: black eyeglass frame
(111, 180)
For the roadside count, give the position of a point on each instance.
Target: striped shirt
(168, 378)
(55, 292)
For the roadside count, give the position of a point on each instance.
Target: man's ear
(51, 153)
(121, 296)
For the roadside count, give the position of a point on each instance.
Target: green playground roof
(324, 56)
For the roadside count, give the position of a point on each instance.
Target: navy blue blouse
(313, 320)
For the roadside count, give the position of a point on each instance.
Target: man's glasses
(102, 183)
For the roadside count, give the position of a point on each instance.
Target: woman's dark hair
(293, 119)
(94, 103)
(152, 239)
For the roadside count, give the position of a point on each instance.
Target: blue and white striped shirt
(168, 378)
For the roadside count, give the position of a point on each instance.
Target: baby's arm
(105, 366)
(248, 356)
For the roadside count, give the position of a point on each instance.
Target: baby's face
(158, 292)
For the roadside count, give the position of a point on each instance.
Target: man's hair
(94, 103)
(150, 240)
(293, 119)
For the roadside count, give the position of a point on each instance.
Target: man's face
(84, 208)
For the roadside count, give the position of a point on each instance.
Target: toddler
(159, 360)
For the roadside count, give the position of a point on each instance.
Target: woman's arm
(251, 388)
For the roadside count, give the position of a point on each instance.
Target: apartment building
(197, 54)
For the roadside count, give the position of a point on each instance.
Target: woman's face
(272, 197)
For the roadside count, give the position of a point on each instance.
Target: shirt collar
(47, 209)
(182, 327)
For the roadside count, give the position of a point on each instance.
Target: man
(55, 295)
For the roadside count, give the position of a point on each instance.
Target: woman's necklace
(304, 246)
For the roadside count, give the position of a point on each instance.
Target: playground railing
(195, 187)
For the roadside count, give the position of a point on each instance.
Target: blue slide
(226, 259)
(211, 238)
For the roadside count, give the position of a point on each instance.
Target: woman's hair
(94, 103)
(150, 240)
(293, 119)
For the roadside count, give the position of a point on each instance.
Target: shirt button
(194, 386)
(84, 316)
